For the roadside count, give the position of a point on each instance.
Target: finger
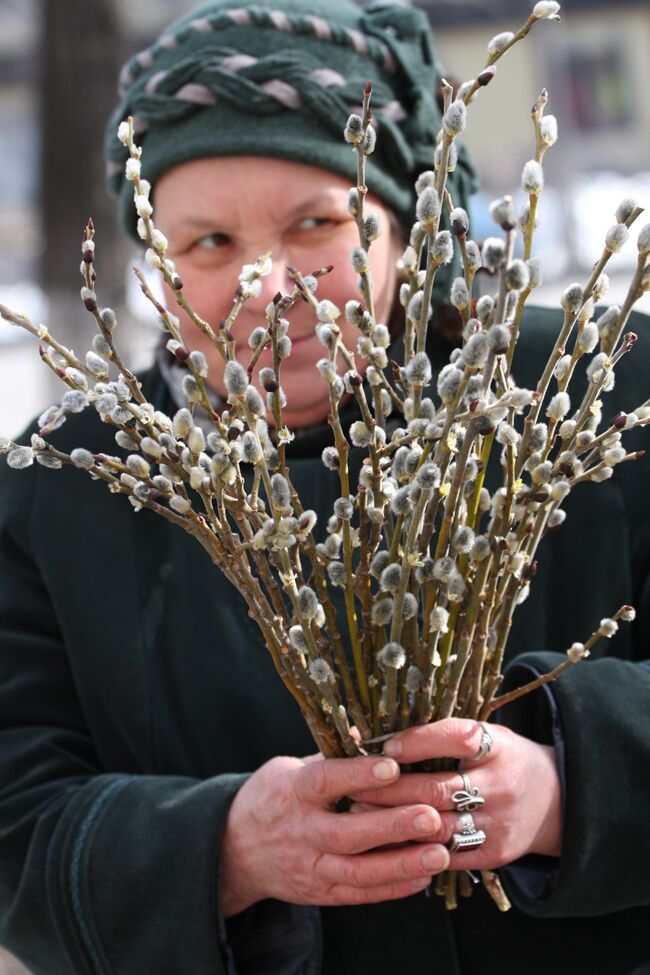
(484, 857)
(451, 823)
(434, 789)
(362, 831)
(340, 894)
(382, 867)
(325, 782)
(449, 738)
(501, 844)
(358, 807)
(308, 759)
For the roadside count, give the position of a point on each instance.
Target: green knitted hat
(279, 78)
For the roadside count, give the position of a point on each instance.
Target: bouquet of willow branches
(429, 565)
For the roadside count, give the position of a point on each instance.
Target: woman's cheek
(205, 291)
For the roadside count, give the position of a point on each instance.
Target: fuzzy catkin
(391, 577)
(438, 621)
(382, 611)
(455, 118)
(392, 655)
(428, 208)
(418, 370)
(558, 407)
(572, 299)
(475, 351)
(532, 178)
(410, 606)
(235, 378)
(449, 380)
(616, 237)
(442, 251)
(379, 562)
(337, 574)
(493, 253)
(280, 493)
(20, 458)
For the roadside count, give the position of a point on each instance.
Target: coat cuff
(132, 874)
(273, 938)
(606, 846)
(535, 716)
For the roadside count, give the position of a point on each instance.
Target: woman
(147, 822)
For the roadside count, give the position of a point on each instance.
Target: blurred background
(58, 64)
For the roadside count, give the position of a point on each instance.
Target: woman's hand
(284, 839)
(518, 779)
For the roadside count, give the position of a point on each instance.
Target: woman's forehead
(235, 184)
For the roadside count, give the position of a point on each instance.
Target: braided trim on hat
(264, 18)
(292, 80)
(285, 93)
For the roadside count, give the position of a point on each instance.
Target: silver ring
(486, 742)
(468, 841)
(466, 799)
(466, 824)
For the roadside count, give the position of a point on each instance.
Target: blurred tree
(82, 49)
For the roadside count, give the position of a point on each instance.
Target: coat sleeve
(100, 872)
(596, 714)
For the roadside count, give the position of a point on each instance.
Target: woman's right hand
(284, 839)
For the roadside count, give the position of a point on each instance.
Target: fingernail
(393, 747)
(431, 860)
(384, 771)
(425, 823)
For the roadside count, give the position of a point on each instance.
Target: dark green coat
(136, 695)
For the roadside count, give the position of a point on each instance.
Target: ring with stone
(466, 823)
(466, 841)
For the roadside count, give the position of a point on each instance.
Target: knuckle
(499, 853)
(321, 781)
(510, 790)
(316, 831)
(356, 895)
(437, 792)
(398, 826)
(469, 734)
(321, 866)
(509, 794)
(451, 825)
(407, 868)
(353, 873)
(396, 892)
(301, 784)
(338, 836)
(370, 797)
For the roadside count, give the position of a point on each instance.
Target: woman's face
(221, 213)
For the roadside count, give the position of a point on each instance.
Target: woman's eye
(311, 223)
(212, 241)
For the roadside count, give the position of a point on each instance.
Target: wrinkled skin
(284, 839)
(219, 214)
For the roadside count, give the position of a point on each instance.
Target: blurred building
(595, 67)
(594, 64)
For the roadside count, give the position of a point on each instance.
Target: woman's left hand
(518, 779)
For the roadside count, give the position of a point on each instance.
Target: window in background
(596, 88)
